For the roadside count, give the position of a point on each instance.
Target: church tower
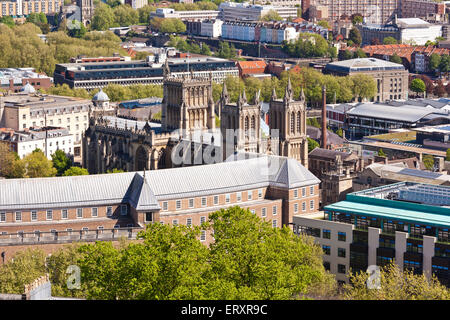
(288, 116)
(244, 119)
(187, 104)
(87, 11)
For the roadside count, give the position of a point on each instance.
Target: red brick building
(65, 209)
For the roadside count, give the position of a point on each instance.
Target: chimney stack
(324, 117)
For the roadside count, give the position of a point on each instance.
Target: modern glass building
(405, 222)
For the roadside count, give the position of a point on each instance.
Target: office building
(13, 79)
(404, 222)
(94, 75)
(233, 11)
(391, 78)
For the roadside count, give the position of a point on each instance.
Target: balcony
(33, 238)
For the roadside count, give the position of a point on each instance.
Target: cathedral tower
(187, 103)
(288, 116)
(87, 10)
(244, 119)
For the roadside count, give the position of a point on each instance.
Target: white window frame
(264, 212)
(216, 200)
(109, 211)
(274, 223)
(227, 198)
(165, 206)
(178, 204)
(274, 210)
(189, 222)
(295, 193)
(238, 196)
(260, 193)
(304, 206)
(311, 204)
(62, 213)
(2, 216)
(203, 236)
(191, 203)
(311, 190)
(18, 214)
(202, 219)
(47, 214)
(78, 211)
(250, 195)
(94, 209)
(175, 222)
(295, 207)
(204, 201)
(303, 192)
(35, 215)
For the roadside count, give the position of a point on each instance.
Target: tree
(340, 132)
(439, 89)
(428, 161)
(332, 51)
(390, 40)
(61, 162)
(347, 55)
(435, 60)
(447, 157)
(324, 23)
(395, 59)
(27, 266)
(355, 36)
(125, 15)
(205, 50)
(359, 53)
(75, 171)
(381, 153)
(8, 20)
(7, 160)
(257, 261)
(76, 29)
(312, 144)
(103, 17)
(115, 170)
(144, 13)
(395, 284)
(306, 46)
(272, 15)
(364, 86)
(444, 64)
(357, 19)
(375, 41)
(417, 85)
(37, 165)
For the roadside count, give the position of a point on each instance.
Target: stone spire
(257, 97)
(302, 95)
(274, 94)
(166, 69)
(225, 97)
(289, 92)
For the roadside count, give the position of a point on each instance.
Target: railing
(24, 238)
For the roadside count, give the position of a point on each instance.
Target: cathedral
(188, 130)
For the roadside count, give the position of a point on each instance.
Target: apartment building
(22, 8)
(404, 222)
(26, 110)
(274, 188)
(420, 8)
(195, 15)
(233, 11)
(374, 11)
(47, 139)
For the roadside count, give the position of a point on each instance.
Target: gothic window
(253, 123)
(292, 122)
(246, 125)
(298, 121)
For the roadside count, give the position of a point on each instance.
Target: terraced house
(403, 222)
(51, 211)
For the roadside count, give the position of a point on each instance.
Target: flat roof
(363, 64)
(390, 213)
